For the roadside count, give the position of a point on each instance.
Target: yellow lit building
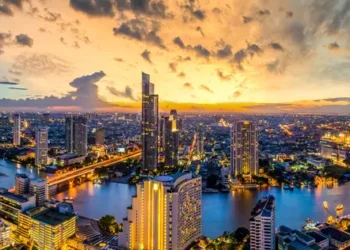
(165, 214)
(335, 147)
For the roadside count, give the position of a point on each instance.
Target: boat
(339, 207)
(325, 204)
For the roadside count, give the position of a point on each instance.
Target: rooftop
(336, 234)
(317, 236)
(264, 206)
(12, 196)
(52, 217)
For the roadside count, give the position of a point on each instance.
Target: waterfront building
(262, 225)
(165, 213)
(244, 149)
(5, 234)
(39, 189)
(171, 139)
(335, 147)
(149, 124)
(100, 136)
(338, 239)
(76, 135)
(16, 130)
(12, 204)
(21, 184)
(41, 146)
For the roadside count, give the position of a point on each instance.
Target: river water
(220, 212)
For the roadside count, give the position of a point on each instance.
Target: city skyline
(229, 56)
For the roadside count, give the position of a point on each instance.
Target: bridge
(69, 176)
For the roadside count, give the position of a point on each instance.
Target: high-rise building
(100, 136)
(39, 189)
(244, 149)
(21, 184)
(200, 140)
(5, 232)
(161, 133)
(165, 213)
(171, 140)
(41, 146)
(4, 122)
(149, 124)
(76, 135)
(262, 224)
(16, 130)
(45, 120)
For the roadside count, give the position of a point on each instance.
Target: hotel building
(165, 213)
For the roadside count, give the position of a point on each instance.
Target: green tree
(109, 224)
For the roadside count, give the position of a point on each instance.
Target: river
(220, 212)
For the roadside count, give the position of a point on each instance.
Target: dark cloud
(224, 52)
(50, 16)
(8, 83)
(222, 75)
(179, 42)
(200, 50)
(289, 14)
(43, 30)
(117, 59)
(199, 14)
(153, 38)
(24, 40)
(127, 93)
(247, 19)
(5, 10)
(17, 3)
(254, 49)
(93, 7)
(241, 55)
(206, 88)
(216, 10)
(181, 74)
(276, 67)
(264, 12)
(14, 88)
(183, 59)
(276, 46)
(146, 55)
(62, 40)
(14, 72)
(173, 67)
(333, 46)
(146, 7)
(193, 9)
(188, 85)
(76, 45)
(199, 28)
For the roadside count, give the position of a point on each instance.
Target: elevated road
(88, 169)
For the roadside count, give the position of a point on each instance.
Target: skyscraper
(262, 225)
(200, 140)
(244, 149)
(21, 184)
(165, 214)
(38, 188)
(76, 135)
(100, 136)
(149, 124)
(45, 120)
(41, 146)
(17, 130)
(171, 140)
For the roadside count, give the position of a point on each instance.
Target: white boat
(325, 204)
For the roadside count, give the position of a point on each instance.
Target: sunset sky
(210, 54)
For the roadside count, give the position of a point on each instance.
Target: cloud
(183, 59)
(333, 46)
(5, 10)
(179, 42)
(24, 40)
(117, 59)
(241, 55)
(17, 3)
(224, 52)
(264, 12)
(222, 76)
(94, 7)
(146, 7)
(236, 94)
(192, 8)
(188, 85)
(14, 72)
(200, 50)
(146, 55)
(276, 67)
(173, 67)
(199, 28)
(8, 83)
(276, 46)
(289, 14)
(181, 74)
(247, 19)
(14, 88)
(206, 88)
(199, 14)
(128, 93)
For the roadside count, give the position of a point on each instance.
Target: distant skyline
(244, 56)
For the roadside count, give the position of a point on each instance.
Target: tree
(109, 224)
(211, 182)
(241, 233)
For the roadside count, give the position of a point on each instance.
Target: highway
(78, 172)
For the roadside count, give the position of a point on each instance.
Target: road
(78, 172)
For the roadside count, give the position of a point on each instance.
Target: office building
(200, 140)
(262, 225)
(21, 184)
(39, 189)
(338, 239)
(244, 149)
(171, 140)
(100, 136)
(41, 146)
(16, 130)
(5, 232)
(161, 133)
(335, 147)
(165, 213)
(76, 135)
(149, 124)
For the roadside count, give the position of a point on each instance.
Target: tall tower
(149, 124)
(39, 189)
(21, 184)
(76, 134)
(165, 213)
(244, 149)
(171, 139)
(262, 224)
(41, 146)
(100, 136)
(69, 133)
(17, 130)
(200, 140)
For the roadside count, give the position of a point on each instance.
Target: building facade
(5, 232)
(16, 130)
(21, 184)
(39, 189)
(200, 140)
(262, 225)
(171, 140)
(41, 146)
(76, 135)
(244, 149)
(149, 124)
(165, 214)
(100, 136)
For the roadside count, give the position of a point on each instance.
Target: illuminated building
(41, 146)
(12, 204)
(5, 232)
(16, 130)
(171, 139)
(165, 213)
(21, 184)
(149, 124)
(200, 140)
(262, 224)
(100, 136)
(335, 147)
(76, 135)
(45, 120)
(244, 149)
(38, 188)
